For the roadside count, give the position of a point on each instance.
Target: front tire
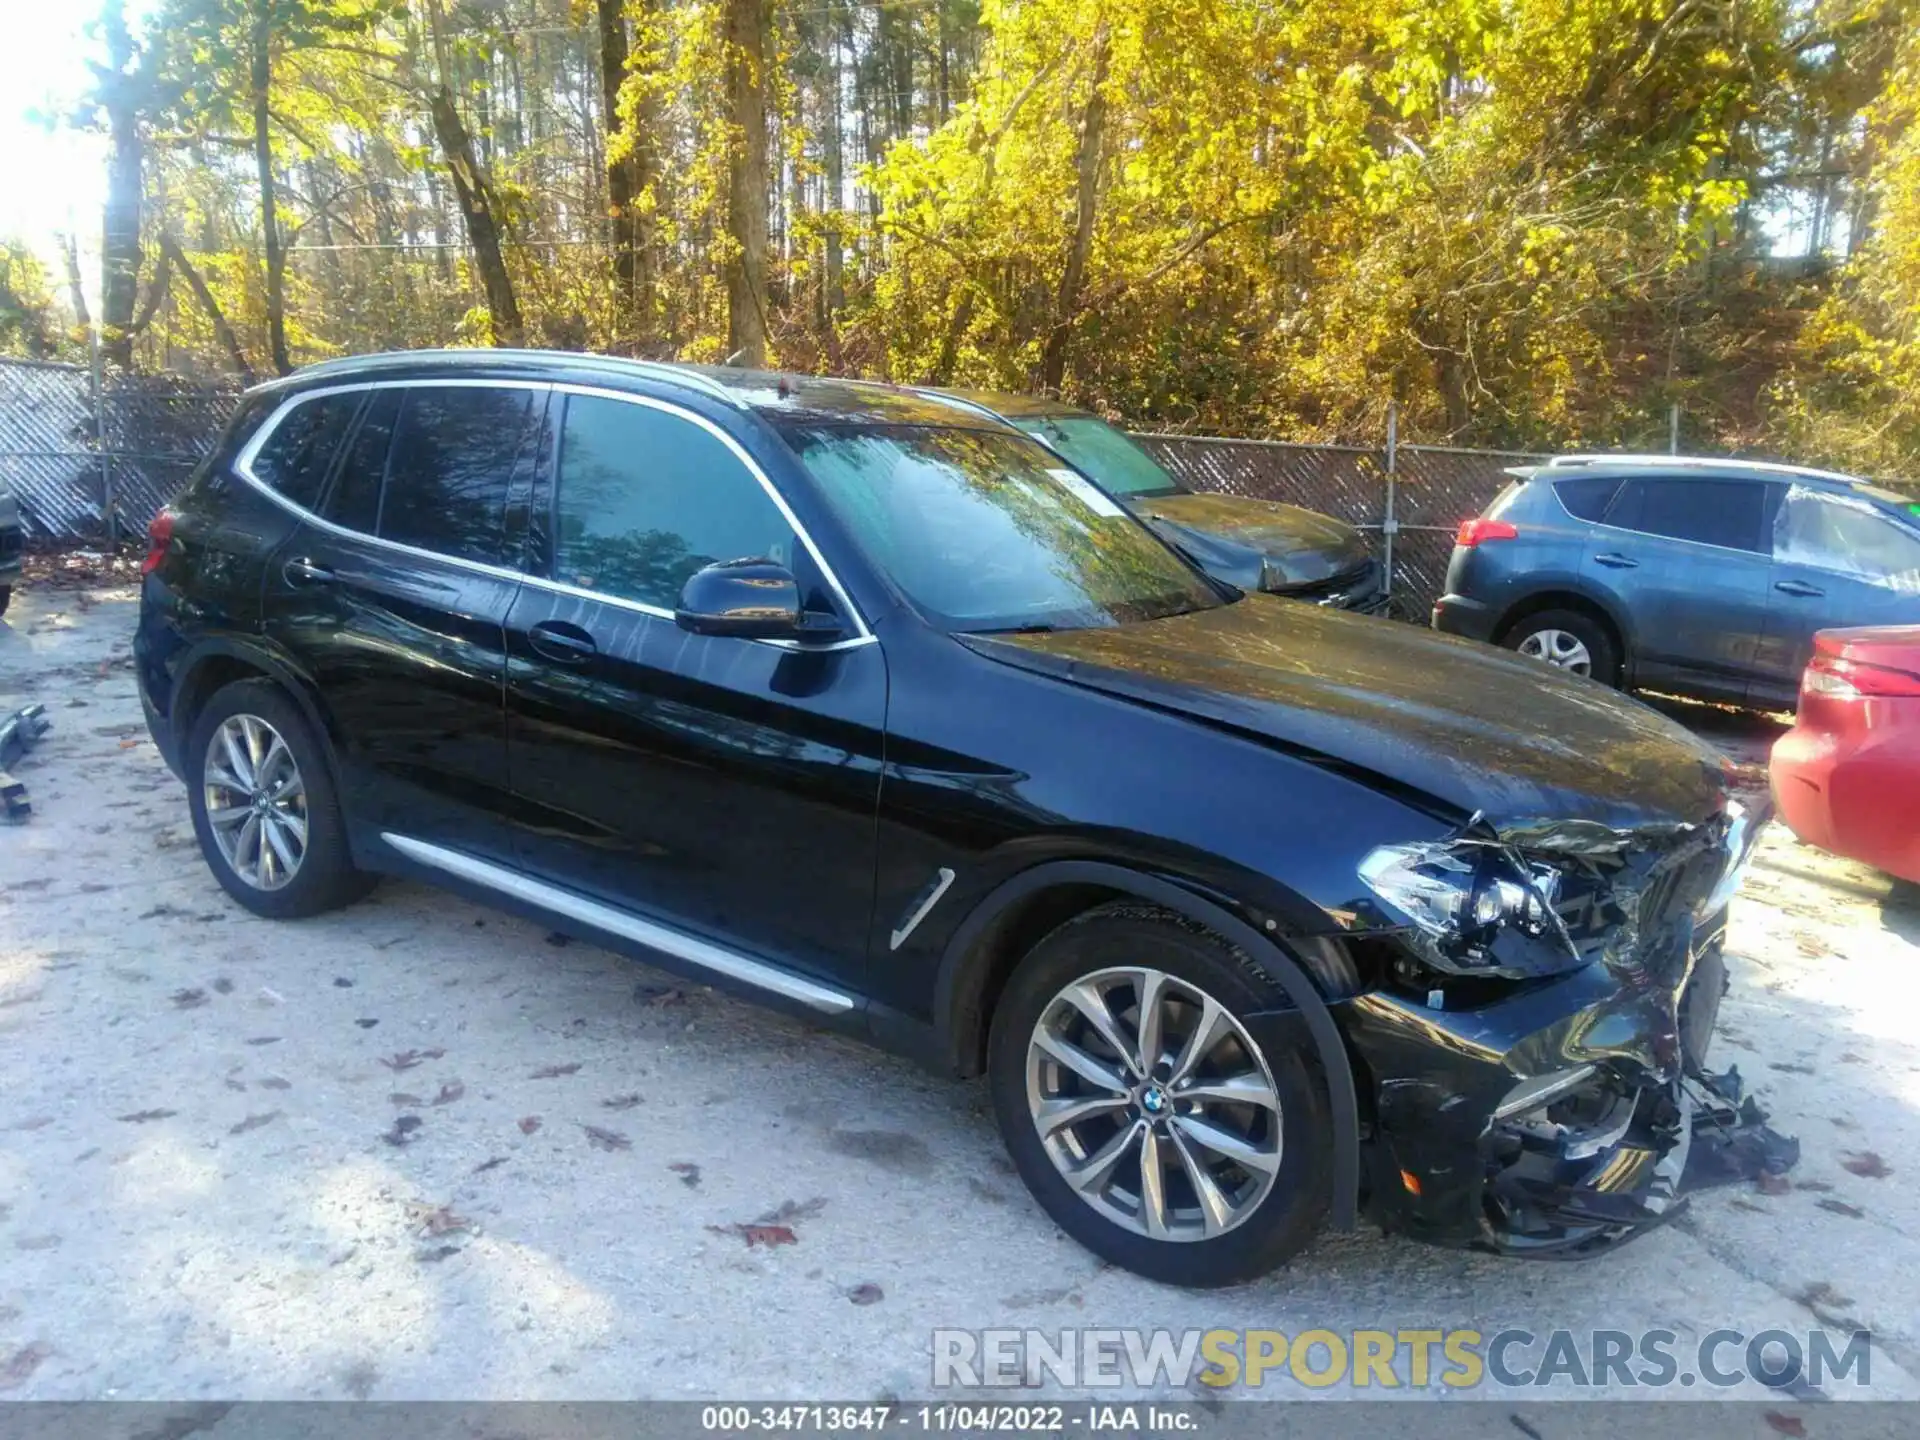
(1146, 1119)
(264, 806)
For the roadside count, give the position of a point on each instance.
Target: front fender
(965, 970)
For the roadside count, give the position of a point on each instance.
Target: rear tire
(1205, 1218)
(1568, 640)
(6, 598)
(264, 806)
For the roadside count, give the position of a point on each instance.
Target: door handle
(1614, 560)
(557, 640)
(304, 572)
(1797, 587)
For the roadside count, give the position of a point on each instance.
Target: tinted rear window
(354, 500)
(454, 457)
(1707, 512)
(1588, 498)
(296, 456)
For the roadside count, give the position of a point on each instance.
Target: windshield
(1102, 451)
(984, 530)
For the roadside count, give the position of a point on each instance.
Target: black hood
(1475, 728)
(1233, 537)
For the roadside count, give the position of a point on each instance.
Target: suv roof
(776, 394)
(999, 404)
(1655, 465)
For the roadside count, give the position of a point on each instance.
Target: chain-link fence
(78, 450)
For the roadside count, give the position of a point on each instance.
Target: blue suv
(1698, 577)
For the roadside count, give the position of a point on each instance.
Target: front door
(394, 600)
(722, 786)
(1687, 559)
(1838, 560)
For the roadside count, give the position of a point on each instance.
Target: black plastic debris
(19, 733)
(1732, 1142)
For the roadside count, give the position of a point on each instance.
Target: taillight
(1473, 531)
(1832, 678)
(159, 537)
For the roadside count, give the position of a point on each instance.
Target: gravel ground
(209, 1185)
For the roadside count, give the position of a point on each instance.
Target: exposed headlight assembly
(1474, 908)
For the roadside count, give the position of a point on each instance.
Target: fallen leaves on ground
(1785, 1424)
(790, 1210)
(529, 1124)
(141, 1117)
(554, 1072)
(866, 1294)
(20, 1366)
(403, 1131)
(407, 1059)
(1768, 1183)
(436, 1220)
(767, 1235)
(1865, 1163)
(688, 1172)
(406, 1101)
(254, 1122)
(621, 1102)
(494, 1164)
(273, 1082)
(188, 999)
(606, 1139)
(1840, 1207)
(451, 1091)
(659, 996)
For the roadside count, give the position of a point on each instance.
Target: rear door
(724, 786)
(1687, 558)
(394, 598)
(1837, 560)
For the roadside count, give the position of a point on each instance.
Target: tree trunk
(480, 212)
(630, 166)
(747, 182)
(222, 331)
(76, 292)
(120, 231)
(262, 82)
(1053, 360)
(835, 199)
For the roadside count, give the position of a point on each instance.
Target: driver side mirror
(750, 599)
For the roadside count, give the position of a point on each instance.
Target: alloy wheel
(1561, 648)
(256, 802)
(1154, 1104)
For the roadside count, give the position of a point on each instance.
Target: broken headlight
(1474, 908)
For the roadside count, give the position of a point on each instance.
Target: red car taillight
(1831, 678)
(159, 537)
(1478, 529)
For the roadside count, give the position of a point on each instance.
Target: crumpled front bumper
(1600, 1163)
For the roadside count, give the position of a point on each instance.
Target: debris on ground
(1732, 1141)
(866, 1294)
(767, 1235)
(254, 1122)
(450, 1091)
(606, 1139)
(142, 1117)
(554, 1072)
(407, 1059)
(432, 1221)
(19, 733)
(529, 1124)
(1866, 1164)
(688, 1172)
(403, 1131)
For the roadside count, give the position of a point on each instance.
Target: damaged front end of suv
(1547, 994)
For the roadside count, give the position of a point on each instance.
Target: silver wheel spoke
(275, 831)
(1153, 986)
(295, 825)
(1099, 1166)
(1216, 1214)
(1213, 1023)
(246, 849)
(1221, 1141)
(1153, 1194)
(1090, 1069)
(228, 816)
(1247, 1089)
(239, 763)
(1092, 1006)
(1053, 1114)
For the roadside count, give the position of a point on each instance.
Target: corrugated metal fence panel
(46, 447)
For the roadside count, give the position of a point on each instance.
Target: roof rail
(657, 369)
(1715, 462)
(944, 397)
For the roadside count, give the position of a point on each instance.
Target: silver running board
(704, 953)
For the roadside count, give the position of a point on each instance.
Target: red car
(1847, 776)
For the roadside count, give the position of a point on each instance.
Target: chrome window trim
(691, 948)
(243, 467)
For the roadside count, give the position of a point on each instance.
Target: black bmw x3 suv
(1253, 914)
